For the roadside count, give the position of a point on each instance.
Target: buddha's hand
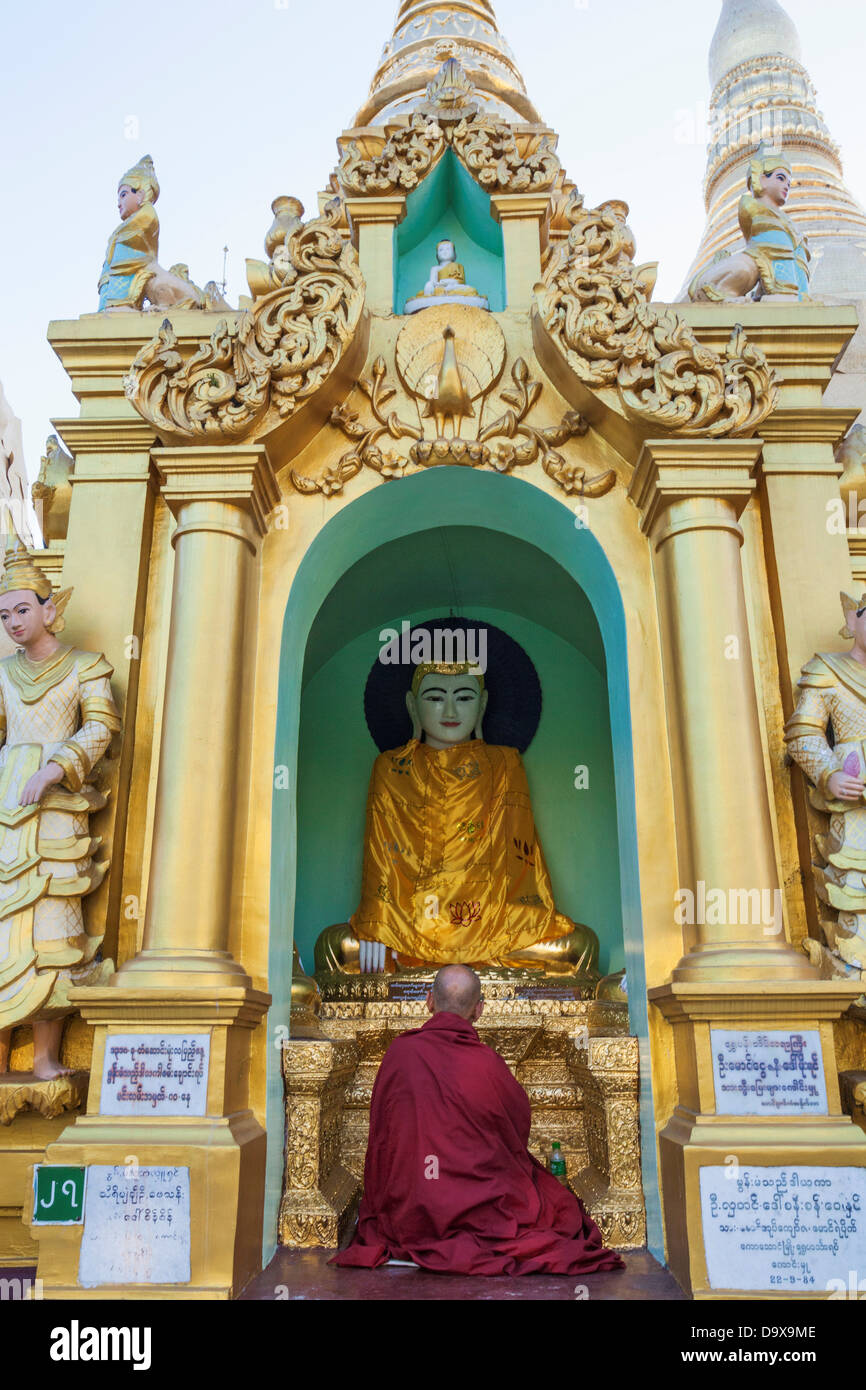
(844, 788)
(36, 786)
(372, 960)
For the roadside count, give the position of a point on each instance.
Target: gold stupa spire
(425, 36)
(761, 90)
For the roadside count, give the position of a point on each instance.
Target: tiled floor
(306, 1274)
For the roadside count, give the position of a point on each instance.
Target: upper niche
(449, 205)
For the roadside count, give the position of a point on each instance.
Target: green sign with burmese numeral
(58, 1195)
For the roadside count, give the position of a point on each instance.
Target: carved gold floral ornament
(518, 443)
(490, 149)
(595, 305)
(256, 371)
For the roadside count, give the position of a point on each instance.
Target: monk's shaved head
(456, 990)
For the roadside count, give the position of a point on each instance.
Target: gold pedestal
(572, 1056)
(698, 1135)
(320, 1193)
(606, 1070)
(224, 1149)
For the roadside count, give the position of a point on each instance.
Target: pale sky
(240, 100)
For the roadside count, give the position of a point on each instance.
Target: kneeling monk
(449, 1182)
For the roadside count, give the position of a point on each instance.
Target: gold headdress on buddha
(766, 161)
(446, 668)
(141, 178)
(850, 605)
(21, 573)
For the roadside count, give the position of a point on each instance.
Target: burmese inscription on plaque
(155, 1074)
(783, 1230)
(768, 1072)
(136, 1226)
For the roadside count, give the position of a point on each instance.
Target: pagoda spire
(427, 34)
(762, 91)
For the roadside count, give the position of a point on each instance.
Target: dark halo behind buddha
(514, 709)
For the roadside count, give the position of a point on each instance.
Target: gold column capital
(240, 475)
(390, 208)
(802, 441)
(106, 435)
(526, 206)
(688, 470)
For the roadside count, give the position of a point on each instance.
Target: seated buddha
(447, 284)
(453, 871)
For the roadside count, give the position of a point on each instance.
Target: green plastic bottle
(557, 1163)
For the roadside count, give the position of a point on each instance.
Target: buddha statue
(447, 284)
(833, 695)
(453, 871)
(131, 273)
(775, 260)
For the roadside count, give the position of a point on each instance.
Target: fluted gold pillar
(220, 498)
(691, 494)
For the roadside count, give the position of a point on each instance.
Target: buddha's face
(129, 200)
(446, 253)
(24, 617)
(448, 708)
(777, 186)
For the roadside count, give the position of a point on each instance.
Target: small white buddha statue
(447, 284)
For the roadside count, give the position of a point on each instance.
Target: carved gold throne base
(319, 1194)
(574, 1057)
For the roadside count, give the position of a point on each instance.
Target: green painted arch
(324, 624)
(449, 205)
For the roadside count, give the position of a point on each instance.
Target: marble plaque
(136, 1226)
(155, 1074)
(783, 1230)
(768, 1072)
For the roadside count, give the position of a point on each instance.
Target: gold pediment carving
(253, 373)
(500, 157)
(449, 361)
(593, 307)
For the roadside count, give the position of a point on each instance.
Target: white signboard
(155, 1074)
(783, 1230)
(771, 1072)
(136, 1226)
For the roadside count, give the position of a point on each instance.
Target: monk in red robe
(449, 1183)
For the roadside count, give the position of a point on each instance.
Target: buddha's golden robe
(453, 870)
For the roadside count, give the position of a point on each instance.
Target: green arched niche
(517, 558)
(529, 596)
(449, 205)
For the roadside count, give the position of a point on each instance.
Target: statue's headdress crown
(850, 605)
(766, 160)
(446, 668)
(20, 573)
(142, 179)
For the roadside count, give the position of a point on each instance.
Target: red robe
(449, 1182)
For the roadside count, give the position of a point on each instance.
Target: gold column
(220, 498)
(185, 981)
(691, 494)
(373, 222)
(523, 216)
(809, 557)
(113, 491)
(808, 562)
